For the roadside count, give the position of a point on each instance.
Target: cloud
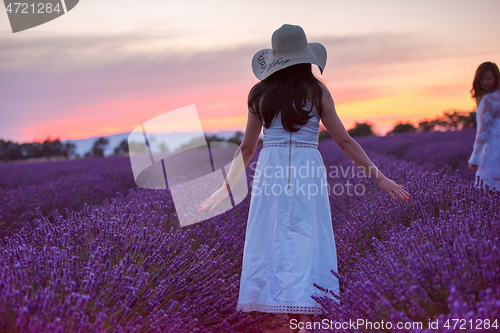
(55, 52)
(44, 78)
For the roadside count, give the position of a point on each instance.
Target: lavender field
(84, 250)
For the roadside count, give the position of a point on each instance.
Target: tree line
(12, 151)
(9, 150)
(450, 121)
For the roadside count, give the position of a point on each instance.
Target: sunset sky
(107, 66)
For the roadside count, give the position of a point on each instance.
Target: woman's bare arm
(353, 150)
(239, 163)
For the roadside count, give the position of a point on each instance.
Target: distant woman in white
(486, 155)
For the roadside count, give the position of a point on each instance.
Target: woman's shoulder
(326, 91)
(493, 96)
(497, 93)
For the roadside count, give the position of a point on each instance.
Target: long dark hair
(477, 91)
(287, 90)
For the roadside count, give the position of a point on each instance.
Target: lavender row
(23, 187)
(436, 257)
(450, 148)
(16, 175)
(62, 185)
(125, 265)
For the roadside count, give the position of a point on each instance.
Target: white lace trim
(280, 308)
(286, 144)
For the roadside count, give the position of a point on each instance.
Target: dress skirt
(289, 241)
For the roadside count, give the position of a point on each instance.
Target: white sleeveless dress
(289, 241)
(486, 151)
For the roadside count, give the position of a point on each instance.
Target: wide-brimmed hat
(289, 47)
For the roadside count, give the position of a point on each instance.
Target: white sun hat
(289, 47)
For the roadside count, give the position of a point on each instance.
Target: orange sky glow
(89, 73)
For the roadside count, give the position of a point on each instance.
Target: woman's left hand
(216, 198)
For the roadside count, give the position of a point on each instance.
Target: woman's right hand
(473, 166)
(395, 190)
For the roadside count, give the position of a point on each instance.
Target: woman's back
(308, 133)
(289, 243)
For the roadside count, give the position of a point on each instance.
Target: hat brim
(265, 63)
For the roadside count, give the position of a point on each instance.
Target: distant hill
(175, 140)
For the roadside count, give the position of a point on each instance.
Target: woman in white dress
(485, 157)
(289, 241)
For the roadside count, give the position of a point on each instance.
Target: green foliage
(193, 143)
(237, 138)
(10, 151)
(403, 128)
(453, 121)
(122, 148)
(361, 129)
(98, 148)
